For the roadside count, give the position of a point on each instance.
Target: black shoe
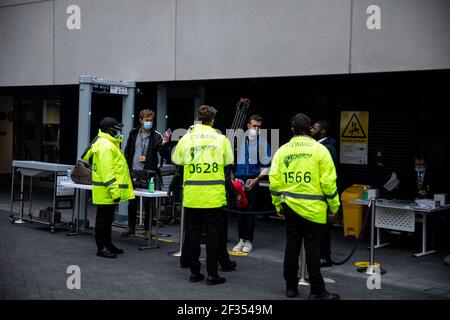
(115, 250)
(212, 280)
(292, 293)
(325, 296)
(230, 266)
(325, 263)
(106, 253)
(196, 277)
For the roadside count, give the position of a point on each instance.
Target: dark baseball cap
(109, 122)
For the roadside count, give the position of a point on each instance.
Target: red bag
(239, 186)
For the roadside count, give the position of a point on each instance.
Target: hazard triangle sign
(354, 129)
(354, 137)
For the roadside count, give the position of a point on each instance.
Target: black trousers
(298, 229)
(326, 243)
(223, 257)
(132, 212)
(197, 219)
(247, 222)
(103, 225)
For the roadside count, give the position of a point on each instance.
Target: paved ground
(34, 263)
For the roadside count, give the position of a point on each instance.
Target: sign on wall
(354, 137)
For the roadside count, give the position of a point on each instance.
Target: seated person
(418, 184)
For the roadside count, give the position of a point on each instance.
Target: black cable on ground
(338, 263)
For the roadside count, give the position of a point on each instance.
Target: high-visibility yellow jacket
(110, 175)
(303, 176)
(204, 154)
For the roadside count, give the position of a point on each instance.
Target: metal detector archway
(88, 86)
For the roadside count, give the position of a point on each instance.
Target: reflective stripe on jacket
(110, 174)
(204, 154)
(303, 176)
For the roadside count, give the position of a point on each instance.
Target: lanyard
(143, 150)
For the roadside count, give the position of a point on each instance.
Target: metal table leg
(11, 213)
(424, 239)
(379, 244)
(31, 196)
(52, 224)
(77, 209)
(21, 200)
(149, 245)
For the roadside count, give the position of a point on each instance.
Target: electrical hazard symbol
(354, 129)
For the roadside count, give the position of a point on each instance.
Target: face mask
(117, 134)
(252, 132)
(148, 125)
(420, 170)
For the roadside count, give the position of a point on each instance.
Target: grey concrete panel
(4, 3)
(414, 35)
(26, 44)
(131, 40)
(261, 38)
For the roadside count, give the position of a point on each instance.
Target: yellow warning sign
(354, 137)
(354, 128)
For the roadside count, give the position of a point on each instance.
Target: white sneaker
(248, 247)
(239, 246)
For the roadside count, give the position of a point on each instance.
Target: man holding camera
(141, 152)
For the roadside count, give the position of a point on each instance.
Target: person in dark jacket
(319, 131)
(141, 152)
(418, 185)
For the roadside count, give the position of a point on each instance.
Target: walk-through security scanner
(88, 86)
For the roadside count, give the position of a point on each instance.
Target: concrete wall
(166, 40)
(414, 35)
(118, 39)
(26, 44)
(260, 38)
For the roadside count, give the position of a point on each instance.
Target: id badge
(141, 158)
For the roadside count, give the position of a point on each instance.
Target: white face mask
(252, 132)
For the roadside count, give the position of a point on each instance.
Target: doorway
(104, 106)
(6, 133)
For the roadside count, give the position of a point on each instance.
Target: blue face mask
(148, 125)
(420, 170)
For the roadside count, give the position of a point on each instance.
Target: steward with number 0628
(204, 154)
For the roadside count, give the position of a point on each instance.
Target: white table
(401, 215)
(141, 193)
(36, 169)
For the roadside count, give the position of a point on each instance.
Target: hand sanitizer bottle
(151, 186)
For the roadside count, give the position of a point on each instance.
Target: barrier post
(178, 254)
